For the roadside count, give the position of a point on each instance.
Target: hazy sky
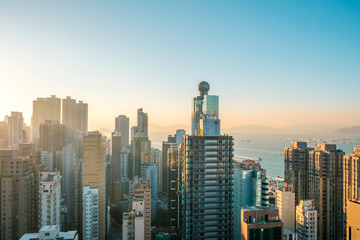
(274, 63)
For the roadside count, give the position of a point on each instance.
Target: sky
(274, 63)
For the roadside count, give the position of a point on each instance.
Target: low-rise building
(261, 223)
(51, 232)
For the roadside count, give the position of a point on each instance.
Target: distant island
(355, 130)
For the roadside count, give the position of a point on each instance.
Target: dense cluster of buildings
(60, 181)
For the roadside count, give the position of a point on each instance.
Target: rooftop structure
(51, 232)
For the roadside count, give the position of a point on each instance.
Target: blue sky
(275, 63)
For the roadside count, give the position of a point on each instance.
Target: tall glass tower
(207, 173)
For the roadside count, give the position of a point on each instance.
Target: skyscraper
(133, 221)
(326, 188)
(44, 109)
(16, 129)
(251, 188)
(90, 213)
(17, 186)
(133, 132)
(74, 117)
(122, 127)
(47, 161)
(94, 186)
(52, 136)
(174, 191)
(140, 153)
(297, 169)
(116, 143)
(149, 172)
(124, 162)
(207, 173)
(50, 197)
(285, 202)
(156, 158)
(306, 220)
(69, 184)
(351, 188)
(171, 142)
(52, 139)
(137, 223)
(3, 134)
(142, 190)
(142, 122)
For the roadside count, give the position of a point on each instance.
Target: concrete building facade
(18, 195)
(140, 153)
(251, 188)
(261, 223)
(90, 227)
(94, 179)
(306, 220)
(207, 172)
(326, 188)
(285, 202)
(174, 197)
(15, 129)
(351, 174)
(296, 159)
(44, 109)
(74, 117)
(122, 127)
(50, 198)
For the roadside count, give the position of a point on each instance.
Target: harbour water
(270, 148)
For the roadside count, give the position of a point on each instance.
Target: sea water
(270, 148)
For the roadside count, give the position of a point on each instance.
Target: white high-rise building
(134, 222)
(285, 202)
(90, 213)
(306, 220)
(50, 197)
(47, 159)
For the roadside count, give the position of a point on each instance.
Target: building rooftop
(52, 229)
(288, 232)
(253, 208)
(49, 177)
(94, 133)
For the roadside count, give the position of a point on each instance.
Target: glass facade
(211, 106)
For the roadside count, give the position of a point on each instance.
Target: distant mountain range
(355, 130)
(311, 129)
